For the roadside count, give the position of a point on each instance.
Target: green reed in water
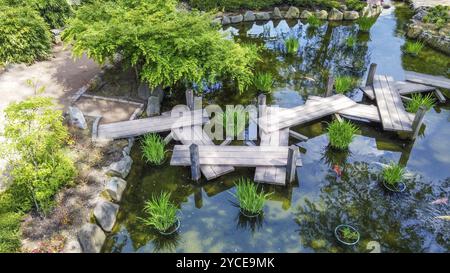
(393, 174)
(418, 100)
(344, 84)
(365, 23)
(313, 21)
(341, 134)
(162, 213)
(413, 48)
(250, 200)
(351, 41)
(153, 149)
(263, 82)
(292, 45)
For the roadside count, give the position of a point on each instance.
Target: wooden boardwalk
(241, 156)
(403, 88)
(390, 106)
(436, 81)
(132, 128)
(305, 113)
(195, 134)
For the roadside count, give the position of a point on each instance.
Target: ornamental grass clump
(344, 84)
(418, 100)
(250, 200)
(393, 174)
(341, 134)
(292, 46)
(348, 234)
(413, 48)
(365, 23)
(153, 149)
(162, 213)
(263, 82)
(313, 21)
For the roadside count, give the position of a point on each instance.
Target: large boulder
(305, 14)
(72, 246)
(153, 106)
(249, 16)
(262, 16)
(144, 92)
(276, 14)
(77, 118)
(414, 30)
(120, 168)
(351, 15)
(321, 14)
(105, 213)
(335, 15)
(236, 18)
(115, 187)
(91, 238)
(292, 13)
(226, 20)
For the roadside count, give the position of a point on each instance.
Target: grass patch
(162, 213)
(418, 100)
(351, 41)
(348, 234)
(365, 23)
(344, 84)
(393, 174)
(292, 45)
(439, 16)
(9, 232)
(263, 82)
(250, 200)
(341, 134)
(413, 48)
(153, 149)
(313, 21)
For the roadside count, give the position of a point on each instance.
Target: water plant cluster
(292, 45)
(153, 149)
(365, 23)
(341, 134)
(263, 82)
(344, 84)
(250, 199)
(393, 174)
(413, 48)
(418, 100)
(162, 213)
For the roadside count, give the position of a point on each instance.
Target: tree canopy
(166, 44)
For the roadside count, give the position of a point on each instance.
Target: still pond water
(302, 217)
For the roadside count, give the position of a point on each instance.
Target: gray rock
(343, 7)
(226, 20)
(120, 168)
(414, 30)
(105, 213)
(277, 14)
(321, 14)
(305, 14)
(351, 15)
(153, 106)
(143, 91)
(115, 187)
(77, 118)
(262, 16)
(335, 15)
(91, 238)
(72, 246)
(292, 13)
(236, 19)
(249, 16)
(217, 21)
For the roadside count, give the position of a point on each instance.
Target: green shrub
(413, 48)
(365, 23)
(341, 134)
(344, 84)
(24, 36)
(9, 232)
(162, 213)
(351, 41)
(357, 5)
(250, 200)
(418, 100)
(438, 15)
(153, 149)
(313, 21)
(233, 5)
(325, 4)
(393, 174)
(292, 45)
(263, 82)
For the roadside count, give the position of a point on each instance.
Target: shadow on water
(302, 217)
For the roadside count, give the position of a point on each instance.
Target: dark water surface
(302, 217)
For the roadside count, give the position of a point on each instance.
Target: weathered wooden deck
(436, 81)
(403, 88)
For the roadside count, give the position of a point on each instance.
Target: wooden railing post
(291, 166)
(261, 109)
(330, 84)
(418, 120)
(190, 99)
(371, 75)
(195, 162)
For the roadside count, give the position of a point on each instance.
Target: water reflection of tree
(395, 221)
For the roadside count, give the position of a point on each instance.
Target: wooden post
(198, 103)
(291, 166)
(190, 99)
(153, 106)
(371, 75)
(417, 123)
(168, 138)
(261, 109)
(195, 162)
(330, 84)
(440, 96)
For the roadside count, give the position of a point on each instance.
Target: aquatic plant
(348, 234)
(438, 15)
(263, 82)
(413, 48)
(292, 45)
(418, 100)
(365, 23)
(250, 200)
(341, 134)
(344, 84)
(162, 213)
(393, 174)
(350, 41)
(313, 21)
(153, 149)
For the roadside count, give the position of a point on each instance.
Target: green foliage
(438, 15)
(365, 23)
(232, 5)
(351, 41)
(153, 149)
(344, 84)
(341, 134)
(24, 36)
(413, 48)
(250, 200)
(9, 231)
(313, 21)
(292, 45)
(263, 82)
(418, 100)
(326, 4)
(357, 5)
(35, 134)
(162, 213)
(166, 45)
(393, 174)
(348, 234)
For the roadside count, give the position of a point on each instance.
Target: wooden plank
(368, 91)
(405, 88)
(297, 136)
(440, 96)
(436, 81)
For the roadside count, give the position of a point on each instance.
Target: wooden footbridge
(276, 162)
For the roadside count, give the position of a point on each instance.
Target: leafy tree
(35, 137)
(165, 44)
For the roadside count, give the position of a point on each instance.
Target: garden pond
(302, 217)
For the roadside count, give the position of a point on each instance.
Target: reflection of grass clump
(153, 149)
(350, 41)
(393, 174)
(418, 100)
(250, 200)
(292, 45)
(263, 82)
(344, 84)
(341, 134)
(365, 23)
